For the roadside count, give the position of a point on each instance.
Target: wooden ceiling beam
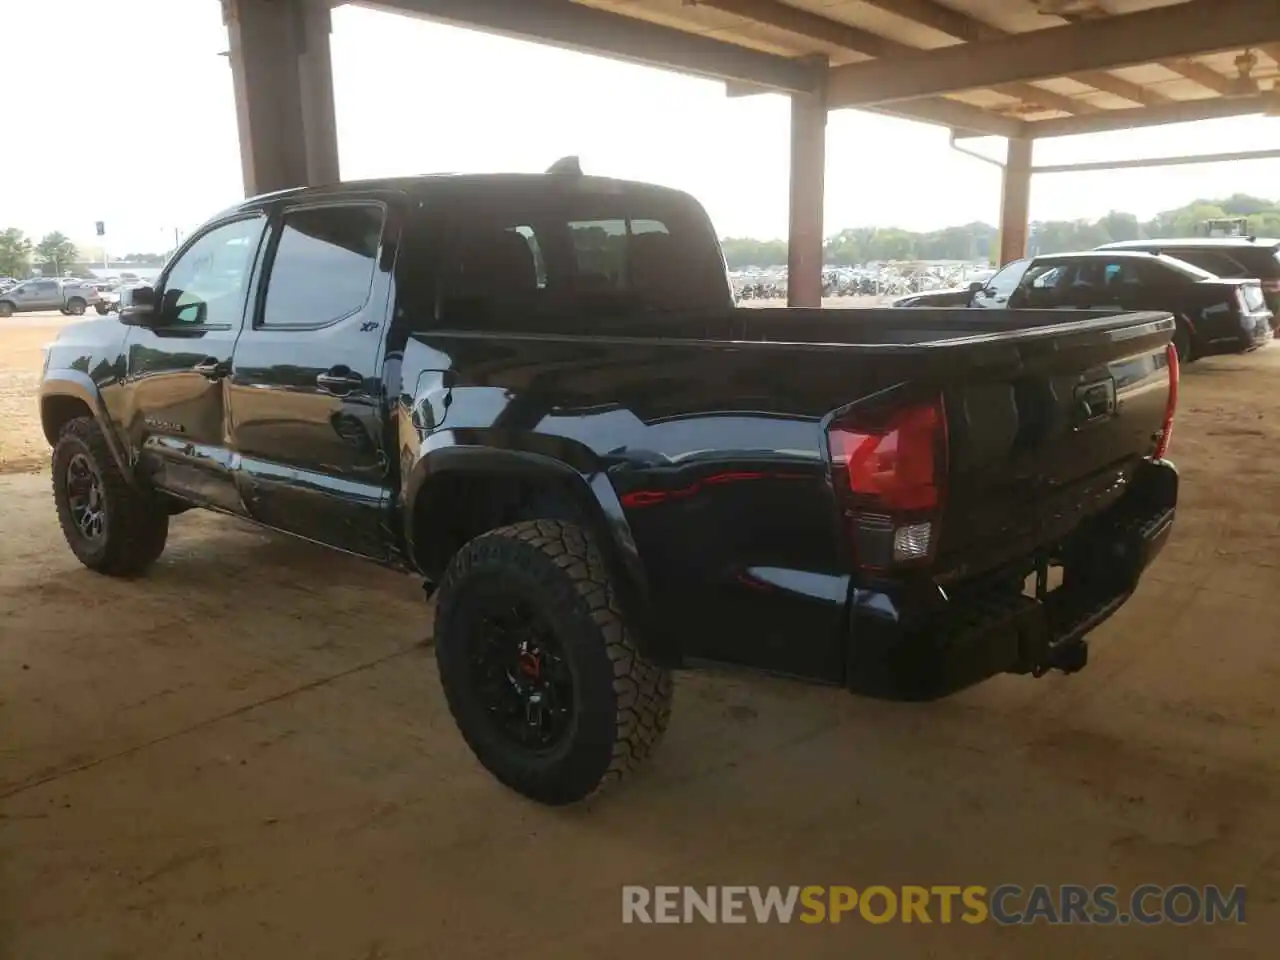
(964, 27)
(1184, 111)
(813, 26)
(574, 26)
(1170, 32)
(1202, 75)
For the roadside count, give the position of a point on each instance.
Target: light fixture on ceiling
(1244, 84)
(1070, 10)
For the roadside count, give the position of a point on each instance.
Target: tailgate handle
(1094, 401)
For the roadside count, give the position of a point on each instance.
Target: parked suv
(1246, 258)
(536, 393)
(72, 297)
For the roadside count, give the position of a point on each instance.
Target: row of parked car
(1224, 292)
(70, 295)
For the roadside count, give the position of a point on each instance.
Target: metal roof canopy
(1022, 69)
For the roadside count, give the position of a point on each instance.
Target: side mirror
(976, 285)
(139, 306)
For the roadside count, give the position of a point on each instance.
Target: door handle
(211, 368)
(339, 381)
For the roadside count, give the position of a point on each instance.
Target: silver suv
(72, 297)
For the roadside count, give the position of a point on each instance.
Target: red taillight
(895, 461)
(1171, 407)
(889, 469)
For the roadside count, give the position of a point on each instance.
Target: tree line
(977, 241)
(53, 255)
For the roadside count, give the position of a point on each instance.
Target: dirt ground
(247, 755)
(22, 445)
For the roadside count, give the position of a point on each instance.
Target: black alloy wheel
(86, 499)
(112, 523)
(518, 672)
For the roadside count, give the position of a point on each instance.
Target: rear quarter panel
(715, 452)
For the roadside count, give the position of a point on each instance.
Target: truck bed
(922, 326)
(869, 328)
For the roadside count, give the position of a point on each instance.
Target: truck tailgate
(1048, 442)
(1047, 415)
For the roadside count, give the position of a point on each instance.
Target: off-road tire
(137, 523)
(622, 700)
(76, 306)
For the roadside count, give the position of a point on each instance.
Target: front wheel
(6, 309)
(538, 666)
(111, 526)
(102, 309)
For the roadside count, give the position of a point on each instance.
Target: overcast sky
(416, 97)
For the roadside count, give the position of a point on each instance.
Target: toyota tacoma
(535, 392)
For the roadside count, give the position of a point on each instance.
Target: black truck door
(174, 391)
(306, 392)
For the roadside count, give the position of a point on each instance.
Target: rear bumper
(920, 644)
(1240, 336)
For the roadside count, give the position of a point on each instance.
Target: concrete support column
(1015, 201)
(808, 193)
(283, 78)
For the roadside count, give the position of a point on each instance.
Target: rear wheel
(539, 669)
(76, 306)
(111, 526)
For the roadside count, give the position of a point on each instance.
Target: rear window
(1260, 262)
(570, 258)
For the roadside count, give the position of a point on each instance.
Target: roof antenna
(566, 166)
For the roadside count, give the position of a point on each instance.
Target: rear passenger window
(323, 266)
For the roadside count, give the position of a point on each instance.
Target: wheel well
(57, 411)
(455, 508)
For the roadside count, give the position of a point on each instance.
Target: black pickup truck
(536, 393)
(1214, 314)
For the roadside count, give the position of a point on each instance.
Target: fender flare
(591, 491)
(80, 386)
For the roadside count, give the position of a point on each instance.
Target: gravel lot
(246, 754)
